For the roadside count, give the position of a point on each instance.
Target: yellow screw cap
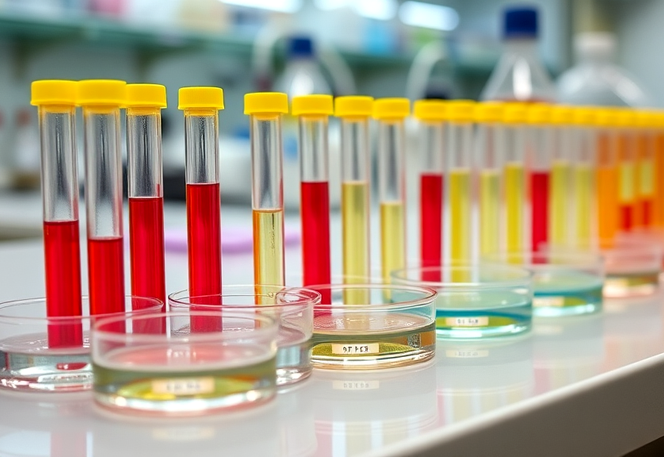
(538, 114)
(94, 92)
(391, 108)
(607, 117)
(201, 98)
(312, 104)
(353, 106)
(265, 103)
(585, 116)
(146, 96)
(562, 115)
(489, 111)
(461, 110)
(430, 110)
(53, 92)
(626, 117)
(514, 113)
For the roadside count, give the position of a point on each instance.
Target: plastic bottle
(519, 74)
(595, 79)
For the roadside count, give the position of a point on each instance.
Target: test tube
(583, 172)
(460, 114)
(265, 110)
(313, 112)
(561, 172)
(627, 174)
(541, 140)
(489, 145)
(56, 102)
(431, 117)
(658, 128)
(607, 177)
(201, 106)
(355, 112)
(101, 101)
(145, 182)
(645, 156)
(514, 179)
(391, 113)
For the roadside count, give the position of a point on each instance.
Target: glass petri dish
(476, 301)
(292, 308)
(51, 354)
(184, 371)
(632, 270)
(373, 326)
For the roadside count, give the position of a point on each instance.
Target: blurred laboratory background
(587, 52)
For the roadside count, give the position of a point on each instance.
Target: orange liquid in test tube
(659, 178)
(607, 191)
(645, 179)
(629, 210)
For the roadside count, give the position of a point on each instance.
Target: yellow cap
(538, 114)
(353, 106)
(312, 104)
(201, 98)
(146, 96)
(643, 118)
(461, 110)
(391, 108)
(626, 117)
(430, 110)
(96, 92)
(585, 116)
(53, 92)
(607, 117)
(514, 113)
(489, 111)
(562, 115)
(266, 103)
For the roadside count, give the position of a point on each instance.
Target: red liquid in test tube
(315, 208)
(539, 184)
(431, 223)
(106, 275)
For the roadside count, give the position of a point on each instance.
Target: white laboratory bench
(588, 386)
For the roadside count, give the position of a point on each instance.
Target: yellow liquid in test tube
(584, 184)
(559, 203)
(355, 235)
(392, 238)
(515, 200)
(647, 191)
(489, 211)
(459, 201)
(268, 249)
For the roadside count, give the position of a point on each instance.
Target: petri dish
(184, 371)
(373, 326)
(46, 354)
(292, 308)
(632, 270)
(476, 301)
(564, 283)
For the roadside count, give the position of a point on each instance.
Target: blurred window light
(427, 15)
(382, 10)
(283, 6)
(328, 5)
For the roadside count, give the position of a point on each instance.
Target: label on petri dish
(478, 321)
(356, 349)
(183, 386)
(548, 302)
(466, 353)
(355, 385)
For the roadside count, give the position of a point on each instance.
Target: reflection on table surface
(349, 413)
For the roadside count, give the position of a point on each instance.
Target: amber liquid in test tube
(627, 170)
(101, 101)
(201, 107)
(313, 112)
(431, 116)
(560, 184)
(645, 156)
(355, 112)
(607, 184)
(391, 113)
(56, 100)
(584, 169)
(658, 133)
(145, 182)
(265, 110)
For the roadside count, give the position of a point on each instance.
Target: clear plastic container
(31, 363)
(519, 74)
(180, 373)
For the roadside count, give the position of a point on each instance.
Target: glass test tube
(627, 182)
(561, 173)
(658, 132)
(431, 116)
(540, 150)
(391, 113)
(146, 197)
(607, 177)
(490, 158)
(460, 114)
(514, 179)
(101, 101)
(265, 110)
(645, 156)
(583, 182)
(313, 112)
(56, 101)
(354, 112)
(201, 107)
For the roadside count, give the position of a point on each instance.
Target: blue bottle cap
(300, 46)
(520, 22)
